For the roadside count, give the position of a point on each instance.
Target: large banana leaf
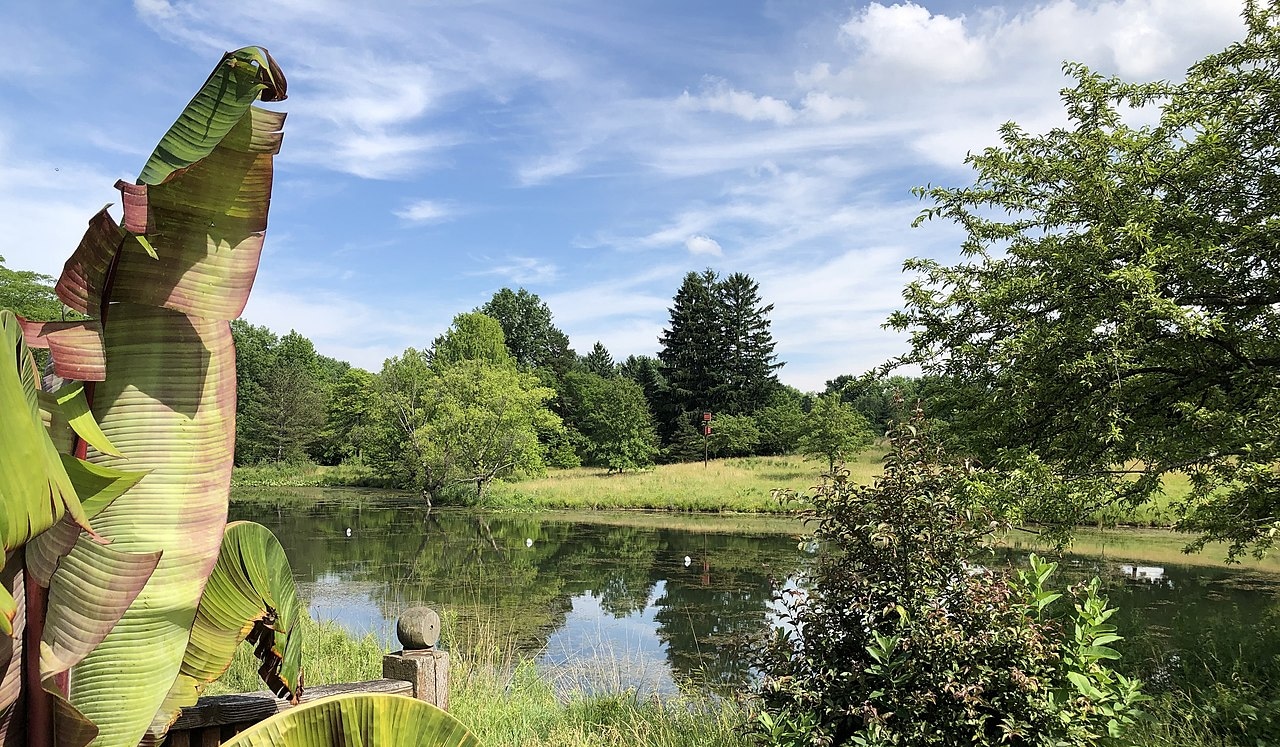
(363, 719)
(250, 595)
(35, 489)
(168, 402)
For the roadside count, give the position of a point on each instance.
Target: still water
(656, 601)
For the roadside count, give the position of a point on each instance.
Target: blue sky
(592, 152)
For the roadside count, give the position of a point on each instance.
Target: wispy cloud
(526, 270)
(702, 244)
(428, 211)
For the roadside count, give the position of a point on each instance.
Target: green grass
(307, 475)
(507, 701)
(740, 484)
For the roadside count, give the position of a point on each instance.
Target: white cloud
(427, 211)
(703, 244)
(723, 99)
(904, 39)
(525, 270)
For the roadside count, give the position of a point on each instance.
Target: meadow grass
(506, 700)
(308, 475)
(739, 484)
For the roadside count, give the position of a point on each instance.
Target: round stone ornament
(418, 628)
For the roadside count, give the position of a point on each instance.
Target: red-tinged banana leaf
(250, 596)
(12, 718)
(169, 406)
(35, 490)
(365, 719)
(76, 347)
(168, 403)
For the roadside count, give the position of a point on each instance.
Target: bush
(896, 638)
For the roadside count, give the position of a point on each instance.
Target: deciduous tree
(1116, 314)
(834, 431)
(531, 337)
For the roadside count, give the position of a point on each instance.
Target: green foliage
(613, 420)
(734, 435)
(599, 362)
(283, 395)
(472, 336)
(1115, 313)
(349, 421)
(833, 431)
(781, 422)
(29, 295)
(897, 638)
(461, 423)
(532, 338)
(717, 352)
(875, 398)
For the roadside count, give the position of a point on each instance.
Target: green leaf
(1085, 686)
(359, 719)
(1100, 652)
(250, 594)
(75, 407)
(240, 79)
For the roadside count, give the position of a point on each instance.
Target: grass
(506, 700)
(308, 475)
(740, 484)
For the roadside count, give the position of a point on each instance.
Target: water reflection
(614, 591)
(659, 601)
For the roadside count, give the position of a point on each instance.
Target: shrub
(895, 637)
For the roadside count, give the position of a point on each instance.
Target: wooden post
(420, 663)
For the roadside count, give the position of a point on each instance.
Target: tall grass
(308, 475)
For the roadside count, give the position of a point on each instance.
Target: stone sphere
(418, 628)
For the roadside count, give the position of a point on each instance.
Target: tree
(734, 435)
(462, 423)
(746, 346)
(1116, 314)
(348, 422)
(875, 398)
(835, 432)
(690, 352)
(647, 372)
(286, 411)
(613, 418)
(599, 362)
(472, 336)
(717, 351)
(531, 337)
(29, 294)
(781, 422)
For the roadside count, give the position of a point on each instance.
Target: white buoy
(687, 561)
(348, 531)
(528, 543)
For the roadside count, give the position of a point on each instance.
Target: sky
(590, 151)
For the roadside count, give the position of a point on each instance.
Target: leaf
(84, 274)
(1085, 686)
(361, 719)
(1100, 652)
(250, 594)
(241, 78)
(35, 490)
(75, 407)
(168, 407)
(76, 347)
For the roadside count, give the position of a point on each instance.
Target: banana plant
(367, 719)
(124, 591)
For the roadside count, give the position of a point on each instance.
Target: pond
(657, 601)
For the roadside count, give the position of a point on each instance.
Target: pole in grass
(706, 436)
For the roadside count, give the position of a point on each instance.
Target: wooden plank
(220, 710)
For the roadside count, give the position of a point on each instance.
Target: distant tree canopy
(29, 294)
(717, 351)
(1116, 314)
(531, 337)
(599, 362)
(613, 418)
(834, 431)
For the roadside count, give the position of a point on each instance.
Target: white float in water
(348, 531)
(528, 543)
(687, 561)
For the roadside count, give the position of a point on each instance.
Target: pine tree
(690, 353)
(748, 362)
(599, 362)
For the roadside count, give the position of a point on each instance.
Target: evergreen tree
(599, 362)
(690, 354)
(647, 372)
(748, 359)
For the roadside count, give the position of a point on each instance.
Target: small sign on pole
(706, 435)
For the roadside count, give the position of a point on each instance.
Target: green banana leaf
(250, 595)
(365, 719)
(35, 489)
(168, 402)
